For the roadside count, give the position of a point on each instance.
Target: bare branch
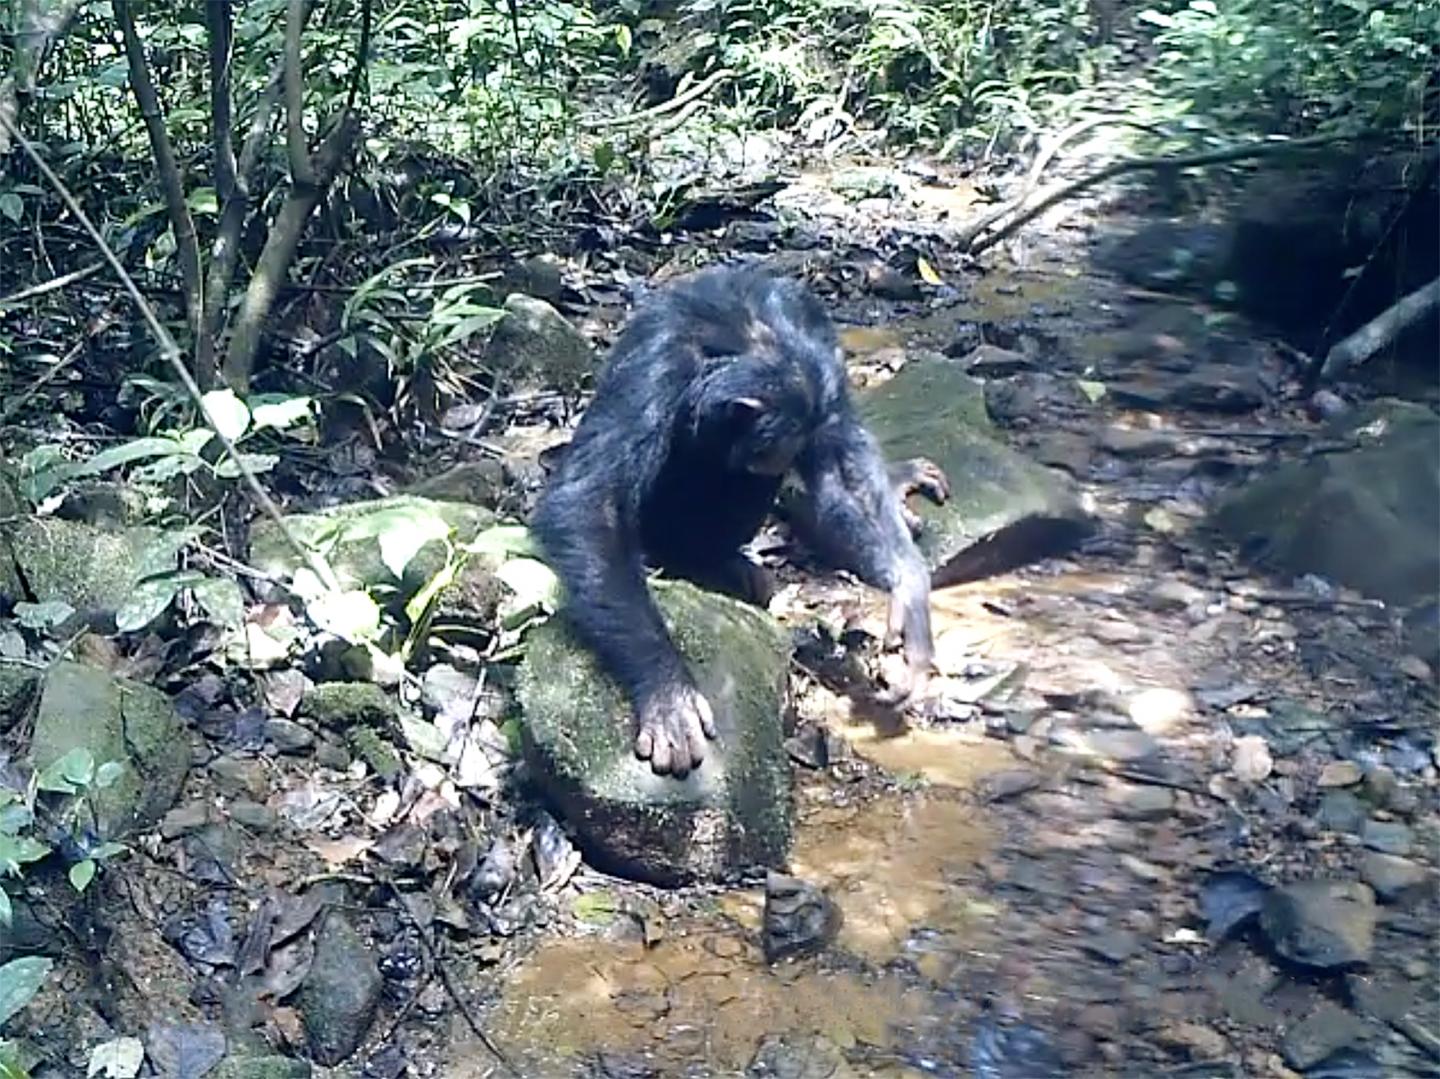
(187, 244)
(219, 23)
(171, 352)
(1381, 330)
(301, 170)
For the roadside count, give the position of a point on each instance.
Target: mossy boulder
(1004, 509)
(351, 538)
(1366, 516)
(116, 720)
(731, 815)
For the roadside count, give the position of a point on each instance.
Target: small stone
(1395, 879)
(1141, 802)
(1324, 1031)
(1159, 711)
(1114, 947)
(1199, 1042)
(1341, 811)
(1387, 837)
(182, 820)
(1340, 774)
(1250, 761)
(236, 775)
(1133, 442)
(1124, 746)
(1176, 595)
(799, 918)
(287, 736)
(253, 815)
(341, 705)
(1321, 923)
(1111, 631)
(999, 786)
(341, 992)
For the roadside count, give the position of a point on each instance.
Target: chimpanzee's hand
(674, 723)
(918, 476)
(908, 624)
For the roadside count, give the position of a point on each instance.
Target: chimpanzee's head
(756, 413)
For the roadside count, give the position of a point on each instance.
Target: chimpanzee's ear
(743, 411)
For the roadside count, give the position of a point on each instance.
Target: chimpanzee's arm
(588, 524)
(856, 519)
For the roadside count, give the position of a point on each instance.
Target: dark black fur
(719, 384)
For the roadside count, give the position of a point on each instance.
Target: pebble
(288, 736)
(1324, 1031)
(1321, 923)
(1125, 746)
(1160, 711)
(1141, 802)
(253, 815)
(1395, 879)
(236, 775)
(1341, 811)
(182, 820)
(1115, 946)
(1250, 761)
(1340, 774)
(1198, 1041)
(1173, 594)
(1388, 837)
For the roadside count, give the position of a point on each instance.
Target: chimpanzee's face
(768, 443)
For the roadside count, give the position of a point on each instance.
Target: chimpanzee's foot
(674, 724)
(918, 476)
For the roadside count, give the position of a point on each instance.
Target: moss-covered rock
(116, 720)
(1004, 509)
(339, 706)
(1366, 517)
(94, 570)
(733, 813)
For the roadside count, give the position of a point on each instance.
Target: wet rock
(731, 814)
(338, 706)
(1396, 879)
(184, 1050)
(1387, 837)
(95, 571)
(1122, 746)
(1000, 786)
(479, 483)
(1329, 513)
(1004, 510)
(1321, 923)
(1176, 595)
(341, 992)
(1197, 1041)
(534, 343)
(799, 919)
(260, 1066)
(236, 774)
(1114, 946)
(1018, 1051)
(797, 1056)
(253, 815)
(1064, 450)
(991, 361)
(1136, 442)
(1341, 811)
(287, 736)
(1339, 774)
(1229, 899)
(1324, 1031)
(118, 720)
(351, 537)
(1136, 802)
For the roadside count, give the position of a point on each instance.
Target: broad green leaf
(353, 616)
(75, 769)
(137, 449)
(7, 912)
(146, 603)
(222, 600)
(1092, 390)
(13, 817)
(423, 737)
(81, 874)
(11, 1066)
(256, 462)
(12, 206)
(596, 908)
(534, 588)
(504, 539)
(42, 616)
(108, 850)
(196, 439)
(20, 979)
(203, 200)
(118, 1059)
(226, 413)
(18, 850)
(398, 545)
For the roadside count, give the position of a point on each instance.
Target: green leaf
(596, 908)
(226, 413)
(81, 874)
(399, 545)
(107, 774)
(256, 462)
(353, 616)
(137, 449)
(7, 912)
(504, 539)
(75, 769)
(13, 817)
(12, 206)
(222, 599)
(108, 850)
(421, 600)
(20, 979)
(424, 737)
(11, 1066)
(118, 1059)
(146, 603)
(1092, 390)
(534, 588)
(43, 616)
(18, 850)
(280, 412)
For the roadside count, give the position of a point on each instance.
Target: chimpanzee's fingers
(644, 743)
(707, 715)
(660, 756)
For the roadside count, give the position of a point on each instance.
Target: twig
(97, 327)
(445, 979)
(63, 281)
(1144, 164)
(171, 352)
(683, 98)
(1380, 331)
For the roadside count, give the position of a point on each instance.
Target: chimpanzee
(720, 385)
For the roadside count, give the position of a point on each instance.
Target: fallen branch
(15, 299)
(683, 98)
(1380, 331)
(1059, 193)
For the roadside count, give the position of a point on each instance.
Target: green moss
(340, 705)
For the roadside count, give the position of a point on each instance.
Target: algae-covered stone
(116, 720)
(1333, 512)
(352, 538)
(94, 570)
(1004, 509)
(534, 342)
(730, 815)
(341, 705)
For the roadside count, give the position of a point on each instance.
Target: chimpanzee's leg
(856, 521)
